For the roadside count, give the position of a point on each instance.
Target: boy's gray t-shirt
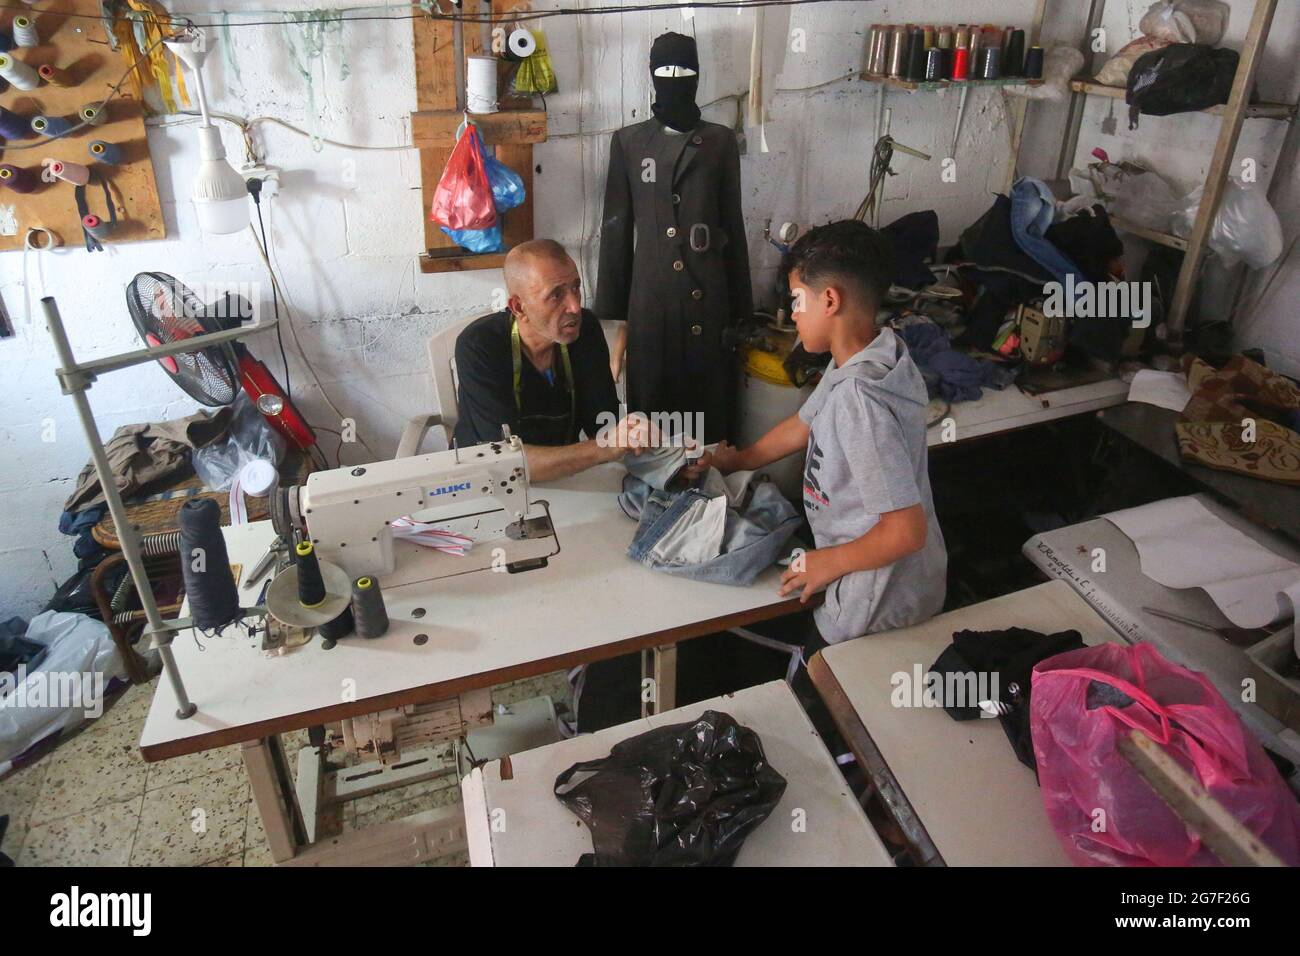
(867, 456)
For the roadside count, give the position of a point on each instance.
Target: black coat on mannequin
(674, 262)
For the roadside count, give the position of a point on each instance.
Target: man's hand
(724, 457)
(810, 572)
(634, 434)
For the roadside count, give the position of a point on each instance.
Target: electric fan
(166, 311)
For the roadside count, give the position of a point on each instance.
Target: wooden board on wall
(79, 48)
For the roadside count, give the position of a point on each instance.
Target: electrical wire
(275, 294)
(419, 12)
(293, 334)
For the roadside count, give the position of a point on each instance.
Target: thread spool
(521, 43)
(369, 615)
(25, 31)
(311, 586)
(96, 226)
(110, 154)
(340, 627)
(963, 36)
(18, 179)
(897, 51)
(18, 73)
(6, 42)
(53, 75)
(990, 63)
(933, 64)
(481, 84)
(928, 33)
(945, 38)
(1034, 63)
(51, 126)
(880, 60)
(916, 56)
(205, 566)
(92, 113)
(13, 126)
(74, 173)
(975, 41)
(960, 63)
(1013, 63)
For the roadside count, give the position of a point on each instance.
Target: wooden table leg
(273, 792)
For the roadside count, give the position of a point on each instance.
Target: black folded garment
(1007, 657)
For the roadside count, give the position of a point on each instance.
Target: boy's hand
(724, 457)
(810, 572)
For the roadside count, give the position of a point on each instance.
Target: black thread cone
(368, 612)
(338, 628)
(311, 586)
(205, 566)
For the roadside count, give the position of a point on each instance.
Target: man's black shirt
(487, 398)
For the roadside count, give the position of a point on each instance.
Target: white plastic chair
(442, 366)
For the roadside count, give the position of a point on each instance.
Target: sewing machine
(348, 513)
(480, 492)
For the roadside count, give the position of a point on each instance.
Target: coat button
(671, 231)
(697, 294)
(697, 330)
(676, 198)
(679, 265)
(697, 140)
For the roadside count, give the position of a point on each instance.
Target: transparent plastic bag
(1187, 21)
(1246, 229)
(248, 438)
(1147, 199)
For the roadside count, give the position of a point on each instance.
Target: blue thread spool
(110, 154)
(51, 126)
(13, 126)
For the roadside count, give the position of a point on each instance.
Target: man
(542, 368)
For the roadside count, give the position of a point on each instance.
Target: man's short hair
(523, 255)
(848, 254)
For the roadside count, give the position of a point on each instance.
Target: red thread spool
(960, 63)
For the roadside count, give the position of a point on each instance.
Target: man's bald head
(522, 260)
(545, 291)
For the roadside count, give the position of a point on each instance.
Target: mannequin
(674, 187)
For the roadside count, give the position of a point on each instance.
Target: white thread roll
(25, 31)
(18, 73)
(254, 480)
(522, 43)
(51, 240)
(481, 84)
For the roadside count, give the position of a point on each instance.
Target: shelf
(437, 128)
(1276, 111)
(458, 260)
(923, 85)
(1151, 235)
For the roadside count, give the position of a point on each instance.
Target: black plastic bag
(683, 795)
(1179, 78)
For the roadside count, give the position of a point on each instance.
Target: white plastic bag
(1116, 70)
(81, 660)
(1187, 21)
(1245, 229)
(1061, 64)
(249, 438)
(1146, 199)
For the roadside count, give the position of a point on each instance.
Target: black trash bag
(682, 795)
(1179, 78)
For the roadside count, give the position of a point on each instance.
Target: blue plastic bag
(507, 186)
(477, 240)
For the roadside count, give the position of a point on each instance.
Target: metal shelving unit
(1232, 114)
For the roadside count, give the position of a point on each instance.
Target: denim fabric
(752, 538)
(1032, 211)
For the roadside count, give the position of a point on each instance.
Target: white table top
(540, 831)
(483, 628)
(980, 805)
(1122, 591)
(1010, 408)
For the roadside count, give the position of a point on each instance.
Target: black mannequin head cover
(674, 103)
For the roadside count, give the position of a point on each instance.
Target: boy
(880, 554)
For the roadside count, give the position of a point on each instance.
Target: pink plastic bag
(1102, 810)
(463, 199)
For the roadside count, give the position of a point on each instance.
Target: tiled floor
(93, 801)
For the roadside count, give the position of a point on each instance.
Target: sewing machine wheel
(282, 512)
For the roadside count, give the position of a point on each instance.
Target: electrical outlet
(269, 175)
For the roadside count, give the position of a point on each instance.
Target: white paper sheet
(1166, 389)
(1182, 544)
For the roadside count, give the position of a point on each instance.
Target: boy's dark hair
(849, 254)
